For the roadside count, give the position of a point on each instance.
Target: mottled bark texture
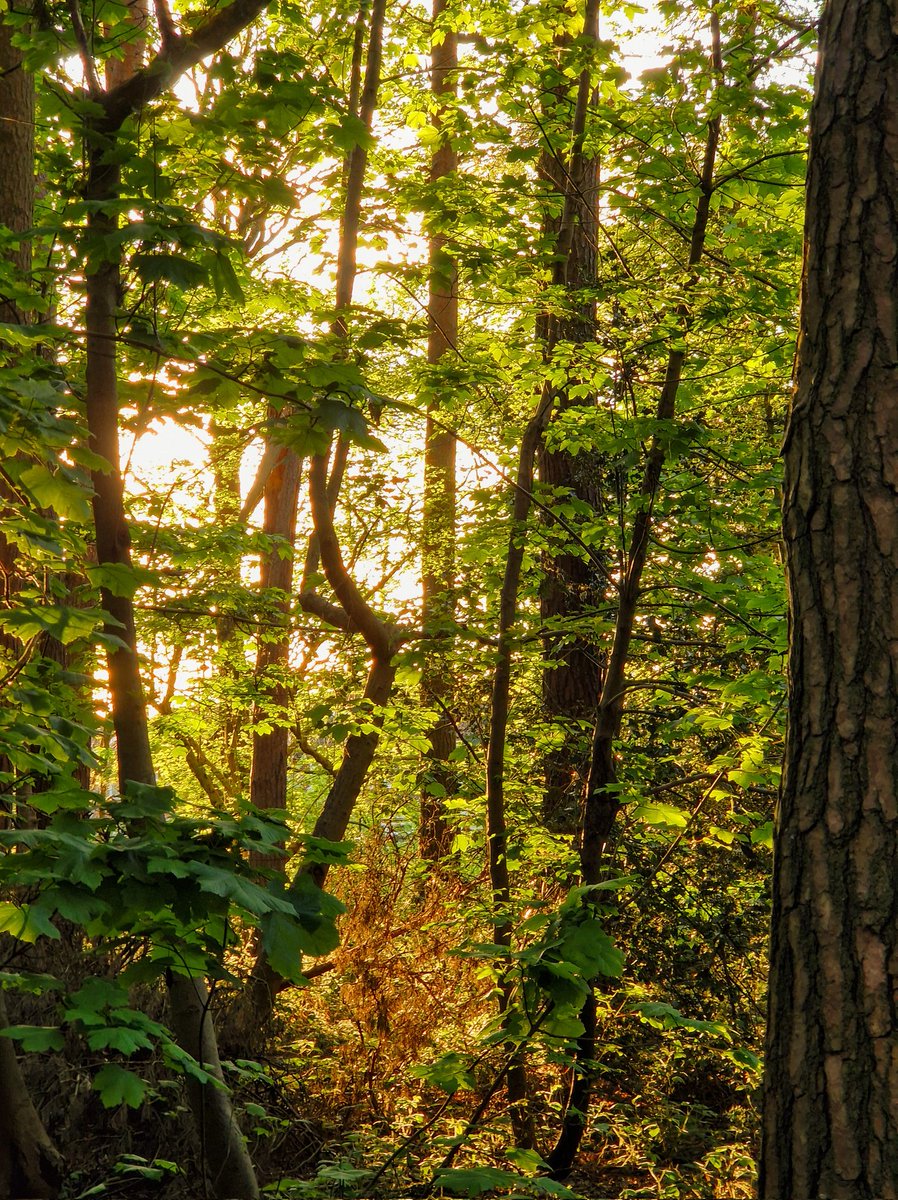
(831, 1088)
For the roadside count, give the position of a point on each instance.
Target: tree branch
(381, 637)
(178, 56)
(94, 86)
(167, 29)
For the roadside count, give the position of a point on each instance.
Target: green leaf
(120, 1038)
(172, 268)
(655, 813)
(665, 1016)
(763, 835)
(592, 950)
(475, 1181)
(121, 579)
(29, 981)
(450, 1073)
(117, 1085)
(224, 278)
(35, 1037)
(56, 490)
(284, 941)
(27, 922)
(64, 624)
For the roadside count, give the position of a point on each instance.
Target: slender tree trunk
(17, 151)
(221, 1139)
(352, 613)
(17, 215)
(571, 587)
(830, 1126)
(30, 1165)
(268, 779)
(438, 532)
(383, 641)
(497, 830)
(601, 800)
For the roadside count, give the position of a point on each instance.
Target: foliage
(226, 229)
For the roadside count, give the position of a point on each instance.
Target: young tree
(831, 1087)
(29, 1163)
(440, 501)
(573, 587)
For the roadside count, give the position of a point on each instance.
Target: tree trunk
(831, 1083)
(438, 533)
(268, 778)
(601, 799)
(17, 156)
(220, 1137)
(496, 823)
(571, 586)
(30, 1165)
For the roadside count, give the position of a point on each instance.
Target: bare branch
(94, 87)
(313, 752)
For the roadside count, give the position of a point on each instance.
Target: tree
(573, 585)
(29, 1163)
(438, 534)
(831, 1091)
(222, 237)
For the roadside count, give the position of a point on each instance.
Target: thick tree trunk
(438, 532)
(831, 1083)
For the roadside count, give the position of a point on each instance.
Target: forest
(395, 529)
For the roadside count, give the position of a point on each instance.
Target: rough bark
(830, 1126)
(438, 527)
